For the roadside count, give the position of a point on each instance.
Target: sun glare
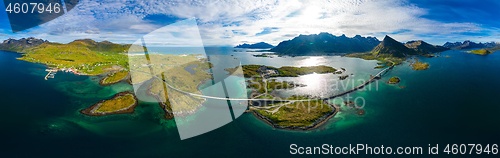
(312, 61)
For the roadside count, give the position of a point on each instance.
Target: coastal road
(372, 79)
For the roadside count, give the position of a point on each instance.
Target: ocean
(453, 102)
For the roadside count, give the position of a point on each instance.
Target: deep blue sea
(454, 101)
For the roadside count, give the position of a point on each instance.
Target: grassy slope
(170, 64)
(175, 101)
(88, 57)
(115, 77)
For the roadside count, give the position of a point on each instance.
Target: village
(52, 72)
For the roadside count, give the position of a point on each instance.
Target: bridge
(372, 79)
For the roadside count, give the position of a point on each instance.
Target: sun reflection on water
(316, 84)
(312, 61)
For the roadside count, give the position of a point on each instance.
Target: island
(430, 55)
(480, 52)
(343, 77)
(417, 65)
(261, 55)
(394, 80)
(121, 103)
(266, 55)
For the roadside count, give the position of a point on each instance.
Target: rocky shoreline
(91, 110)
(315, 125)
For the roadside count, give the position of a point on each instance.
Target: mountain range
(389, 47)
(20, 44)
(392, 48)
(422, 47)
(31, 44)
(470, 45)
(325, 44)
(315, 44)
(260, 45)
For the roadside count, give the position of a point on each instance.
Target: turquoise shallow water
(452, 102)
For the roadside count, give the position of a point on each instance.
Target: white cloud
(93, 31)
(230, 22)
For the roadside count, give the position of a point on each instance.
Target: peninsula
(83, 56)
(260, 45)
(114, 77)
(285, 71)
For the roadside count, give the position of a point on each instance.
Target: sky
(229, 23)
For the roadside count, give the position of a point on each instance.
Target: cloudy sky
(228, 22)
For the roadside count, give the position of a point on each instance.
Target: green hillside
(87, 56)
(422, 47)
(392, 50)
